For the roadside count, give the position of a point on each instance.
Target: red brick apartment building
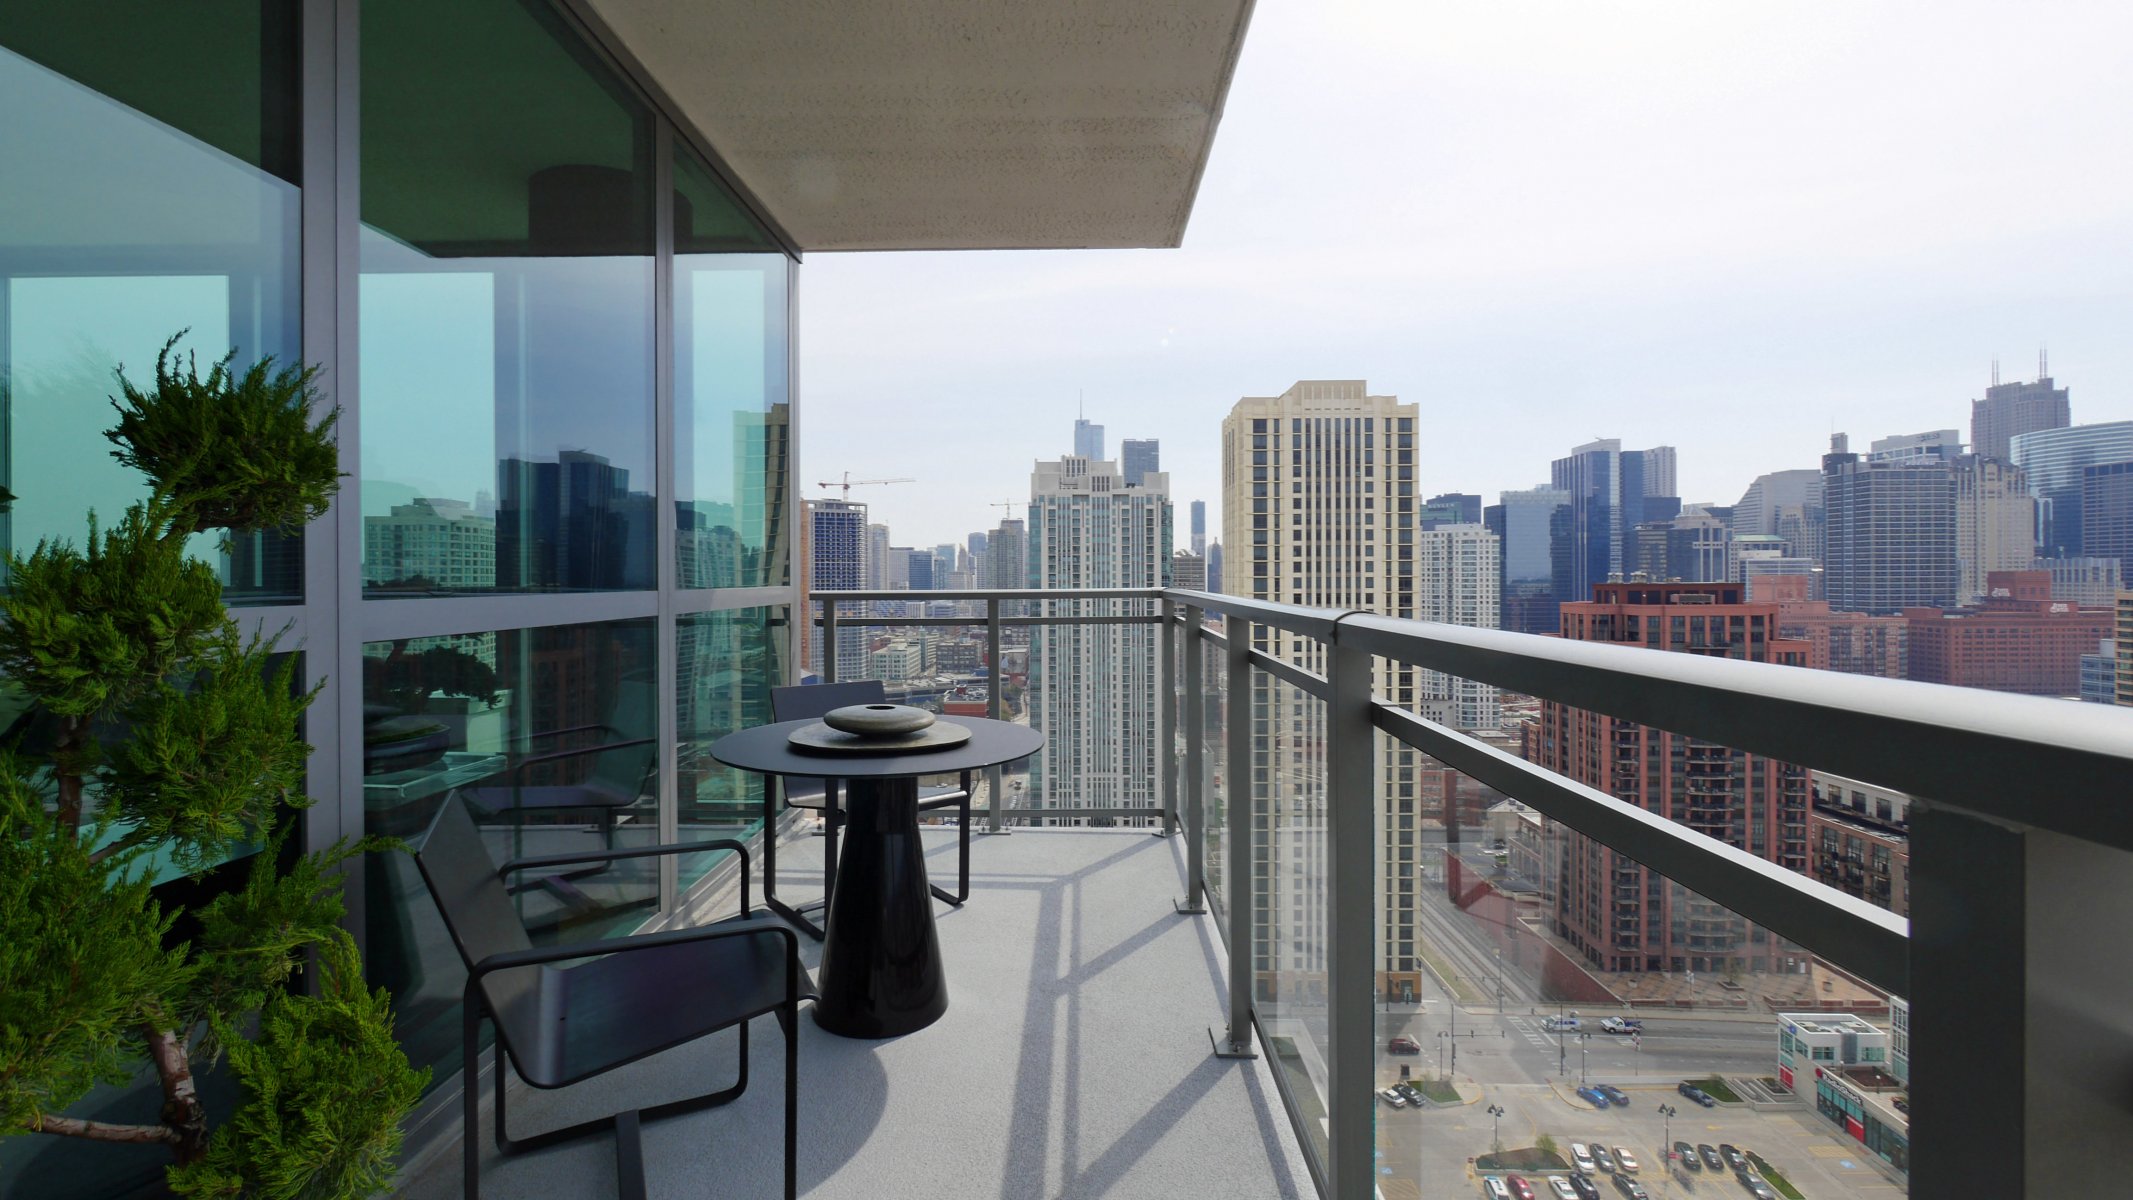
(2018, 640)
(1620, 916)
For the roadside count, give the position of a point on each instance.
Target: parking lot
(1432, 1151)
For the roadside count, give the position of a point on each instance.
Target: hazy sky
(1721, 226)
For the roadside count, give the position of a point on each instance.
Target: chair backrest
(462, 879)
(815, 700)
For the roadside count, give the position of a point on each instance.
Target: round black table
(881, 960)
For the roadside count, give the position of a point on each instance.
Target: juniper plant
(145, 697)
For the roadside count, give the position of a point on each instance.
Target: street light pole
(1496, 1137)
(1584, 1039)
(1666, 1142)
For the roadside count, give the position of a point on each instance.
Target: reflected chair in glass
(822, 795)
(622, 775)
(635, 995)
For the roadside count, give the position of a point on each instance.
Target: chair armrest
(531, 738)
(540, 955)
(564, 860)
(518, 769)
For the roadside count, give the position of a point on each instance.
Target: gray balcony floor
(1073, 1061)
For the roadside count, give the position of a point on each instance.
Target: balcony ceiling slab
(952, 125)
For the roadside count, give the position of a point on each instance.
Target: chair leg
(770, 874)
(470, 1093)
(962, 891)
(791, 1022)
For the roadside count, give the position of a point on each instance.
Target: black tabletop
(765, 751)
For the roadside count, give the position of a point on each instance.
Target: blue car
(1594, 1096)
(1613, 1093)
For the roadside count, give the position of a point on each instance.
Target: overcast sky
(1725, 227)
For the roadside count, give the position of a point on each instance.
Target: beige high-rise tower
(1318, 508)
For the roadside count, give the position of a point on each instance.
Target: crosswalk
(1530, 1030)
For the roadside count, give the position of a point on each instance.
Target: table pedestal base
(881, 970)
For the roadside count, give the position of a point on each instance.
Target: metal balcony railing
(1999, 782)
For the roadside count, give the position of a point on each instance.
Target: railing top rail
(1294, 618)
(1026, 594)
(2051, 764)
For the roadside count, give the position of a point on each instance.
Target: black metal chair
(642, 993)
(821, 795)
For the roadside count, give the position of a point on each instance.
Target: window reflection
(725, 665)
(506, 315)
(549, 737)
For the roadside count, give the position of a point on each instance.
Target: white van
(1582, 1157)
(1492, 1186)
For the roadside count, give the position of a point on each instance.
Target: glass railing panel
(1214, 763)
(1287, 791)
(1559, 994)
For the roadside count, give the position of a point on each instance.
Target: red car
(1519, 1187)
(1404, 1045)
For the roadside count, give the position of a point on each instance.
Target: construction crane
(1007, 507)
(849, 483)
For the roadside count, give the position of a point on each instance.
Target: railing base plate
(1188, 910)
(1231, 1049)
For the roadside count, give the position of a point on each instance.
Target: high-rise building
(1532, 529)
(2107, 514)
(877, 558)
(1318, 497)
(430, 545)
(1854, 643)
(1891, 538)
(1912, 449)
(1451, 508)
(1611, 493)
(1861, 838)
(1694, 547)
(2083, 582)
(1995, 522)
(2099, 674)
(1617, 913)
(1456, 582)
(919, 576)
(2010, 409)
(1758, 508)
(836, 561)
(1188, 571)
(2124, 641)
(1138, 458)
(1088, 440)
(1093, 688)
(2053, 460)
(1199, 528)
(1214, 566)
(1007, 556)
(2017, 640)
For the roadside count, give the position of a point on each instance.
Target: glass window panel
(732, 427)
(154, 193)
(725, 665)
(506, 312)
(549, 736)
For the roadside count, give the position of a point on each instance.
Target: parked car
(1563, 1190)
(1625, 1160)
(1756, 1186)
(1402, 1044)
(1710, 1156)
(1595, 1097)
(1393, 1097)
(1622, 1025)
(1492, 1187)
(1519, 1187)
(1605, 1160)
(1560, 1024)
(1697, 1094)
(1613, 1093)
(1734, 1158)
(1409, 1093)
(1687, 1154)
(1630, 1188)
(1581, 1157)
(1586, 1188)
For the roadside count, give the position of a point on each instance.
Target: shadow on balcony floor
(1073, 1061)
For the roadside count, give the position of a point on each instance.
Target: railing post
(995, 776)
(1195, 766)
(1243, 872)
(829, 640)
(1351, 918)
(1166, 690)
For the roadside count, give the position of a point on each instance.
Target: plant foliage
(159, 735)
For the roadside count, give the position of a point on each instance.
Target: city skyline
(1859, 263)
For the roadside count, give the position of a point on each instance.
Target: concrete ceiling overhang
(949, 124)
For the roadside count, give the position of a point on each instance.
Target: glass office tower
(559, 564)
